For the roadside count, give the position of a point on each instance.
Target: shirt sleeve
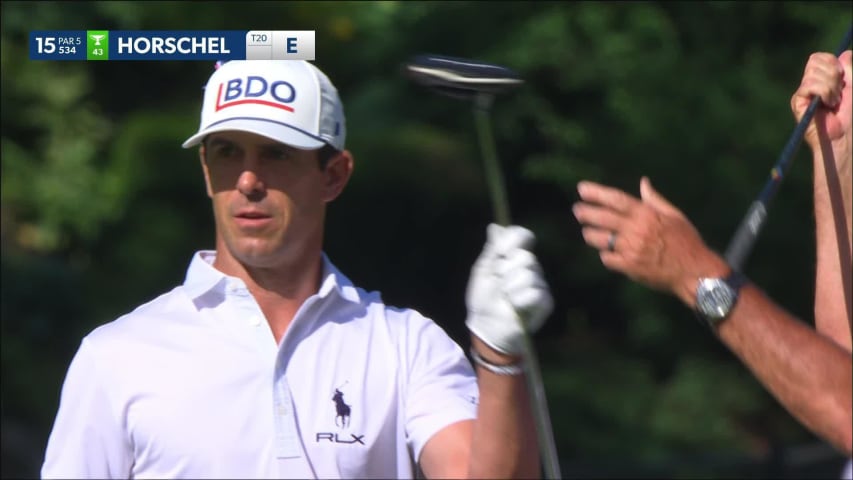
(442, 384)
(88, 439)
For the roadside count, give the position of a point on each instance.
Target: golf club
(479, 82)
(747, 233)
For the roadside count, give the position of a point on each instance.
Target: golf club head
(460, 77)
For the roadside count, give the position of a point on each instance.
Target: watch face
(714, 298)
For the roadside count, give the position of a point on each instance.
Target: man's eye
(278, 154)
(225, 151)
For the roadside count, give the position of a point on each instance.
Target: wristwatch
(716, 297)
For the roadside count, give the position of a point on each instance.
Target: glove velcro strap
(511, 369)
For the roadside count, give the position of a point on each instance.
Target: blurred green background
(102, 209)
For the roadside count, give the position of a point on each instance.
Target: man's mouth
(252, 219)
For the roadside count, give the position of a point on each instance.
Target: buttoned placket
(287, 444)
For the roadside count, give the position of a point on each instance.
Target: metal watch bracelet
(511, 369)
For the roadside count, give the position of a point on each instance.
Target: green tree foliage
(101, 208)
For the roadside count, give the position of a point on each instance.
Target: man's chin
(255, 252)
(257, 258)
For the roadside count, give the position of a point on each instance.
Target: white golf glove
(507, 289)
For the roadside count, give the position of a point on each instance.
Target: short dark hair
(326, 153)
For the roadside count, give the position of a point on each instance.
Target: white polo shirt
(193, 385)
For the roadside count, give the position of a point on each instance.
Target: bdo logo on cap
(255, 90)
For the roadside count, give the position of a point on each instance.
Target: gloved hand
(506, 285)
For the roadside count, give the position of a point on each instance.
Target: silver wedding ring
(611, 242)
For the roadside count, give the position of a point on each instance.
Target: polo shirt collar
(202, 277)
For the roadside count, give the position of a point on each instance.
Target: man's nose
(250, 182)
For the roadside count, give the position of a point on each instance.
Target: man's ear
(338, 171)
(201, 154)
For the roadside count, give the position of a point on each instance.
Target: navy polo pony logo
(343, 410)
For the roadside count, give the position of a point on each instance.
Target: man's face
(268, 198)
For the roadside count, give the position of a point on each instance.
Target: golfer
(267, 361)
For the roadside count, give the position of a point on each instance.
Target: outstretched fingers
(599, 217)
(609, 197)
(600, 239)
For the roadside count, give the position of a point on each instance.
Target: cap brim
(278, 132)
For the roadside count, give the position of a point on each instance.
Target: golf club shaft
(494, 178)
(539, 403)
(535, 387)
(747, 233)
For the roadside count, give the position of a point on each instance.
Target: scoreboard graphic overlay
(210, 45)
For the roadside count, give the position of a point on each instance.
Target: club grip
(744, 238)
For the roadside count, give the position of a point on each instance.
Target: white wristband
(513, 369)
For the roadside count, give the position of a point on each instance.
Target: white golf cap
(289, 101)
